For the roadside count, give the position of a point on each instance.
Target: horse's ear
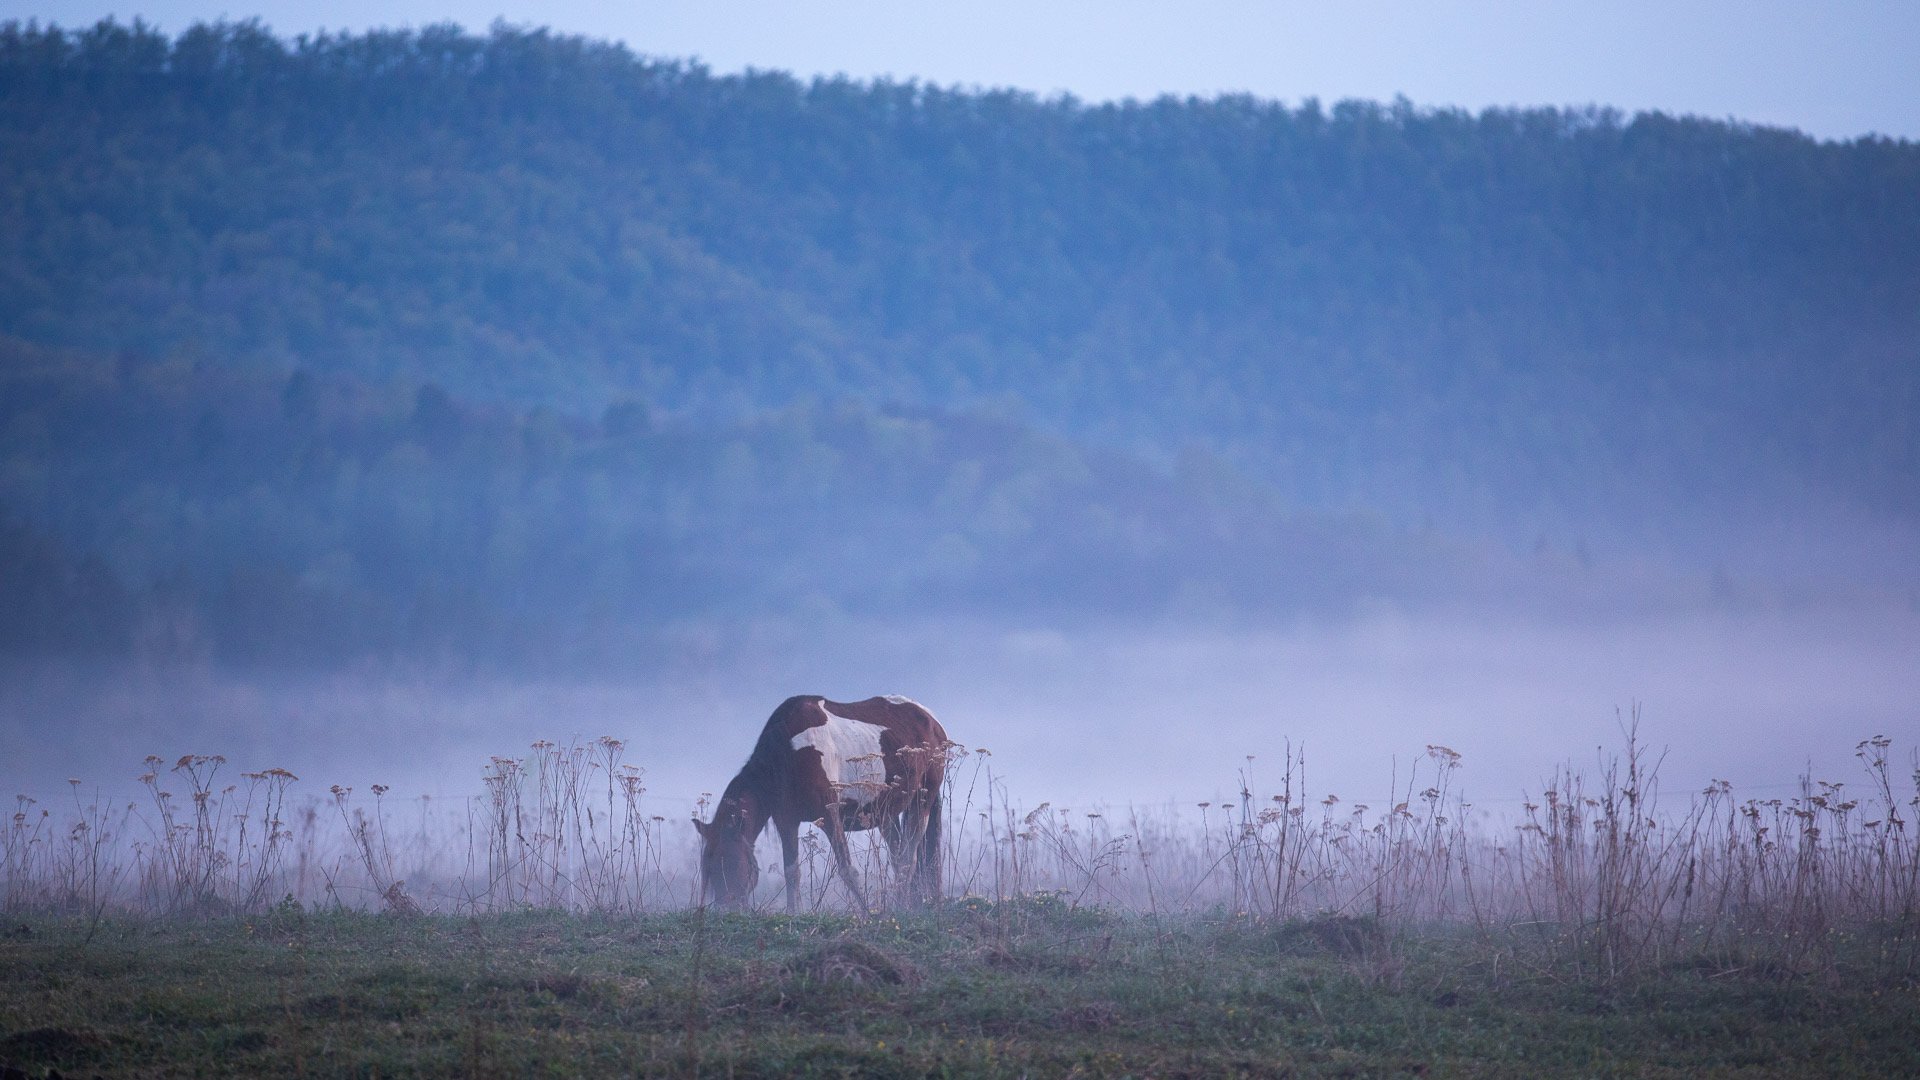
(701, 827)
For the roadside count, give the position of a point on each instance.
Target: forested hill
(1571, 317)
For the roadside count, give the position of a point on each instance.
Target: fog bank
(1110, 718)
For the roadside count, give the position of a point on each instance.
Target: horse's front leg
(790, 860)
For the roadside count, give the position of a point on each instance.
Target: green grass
(974, 989)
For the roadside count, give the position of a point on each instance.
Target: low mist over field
(376, 404)
(1092, 721)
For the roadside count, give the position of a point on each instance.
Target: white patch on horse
(851, 756)
(898, 700)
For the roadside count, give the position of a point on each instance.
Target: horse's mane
(761, 771)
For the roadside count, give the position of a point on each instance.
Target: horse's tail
(930, 854)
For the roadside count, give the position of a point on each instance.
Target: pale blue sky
(1836, 69)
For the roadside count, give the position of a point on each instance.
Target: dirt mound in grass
(853, 963)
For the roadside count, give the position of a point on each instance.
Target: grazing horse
(845, 766)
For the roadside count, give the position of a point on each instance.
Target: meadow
(550, 924)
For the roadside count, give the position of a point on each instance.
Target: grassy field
(1031, 986)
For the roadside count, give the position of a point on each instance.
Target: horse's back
(911, 740)
(910, 722)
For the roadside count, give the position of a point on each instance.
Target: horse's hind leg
(924, 836)
(897, 853)
(837, 839)
(909, 842)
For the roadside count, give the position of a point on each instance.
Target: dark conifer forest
(518, 348)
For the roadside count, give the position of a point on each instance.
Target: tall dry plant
(565, 828)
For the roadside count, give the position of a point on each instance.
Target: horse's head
(728, 871)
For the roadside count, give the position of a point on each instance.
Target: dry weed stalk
(566, 829)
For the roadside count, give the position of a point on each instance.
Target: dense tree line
(1541, 312)
(190, 511)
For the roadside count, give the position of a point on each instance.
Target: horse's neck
(747, 792)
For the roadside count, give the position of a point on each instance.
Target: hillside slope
(1579, 319)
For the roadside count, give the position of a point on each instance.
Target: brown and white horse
(845, 766)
